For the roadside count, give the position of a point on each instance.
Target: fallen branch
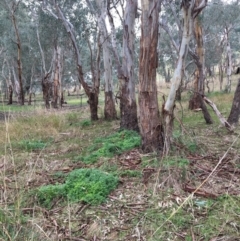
(199, 192)
(221, 118)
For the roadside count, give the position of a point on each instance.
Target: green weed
(47, 194)
(130, 173)
(14, 226)
(150, 161)
(176, 162)
(187, 142)
(86, 185)
(111, 145)
(85, 123)
(32, 145)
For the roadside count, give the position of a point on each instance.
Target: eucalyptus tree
(221, 31)
(57, 13)
(7, 76)
(125, 68)
(48, 32)
(18, 42)
(149, 116)
(98, 9)
(12, 8)
(169, 44)
(190, 10)
(168, 47)
(5, 57)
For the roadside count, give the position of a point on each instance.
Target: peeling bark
(46, 87)
(57, 77)
(128, 106)
(95, 69)
(149, 116)
(8, 80)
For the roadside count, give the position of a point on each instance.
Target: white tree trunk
(16, 84)
(56, 78)
(176, 80)
(109, 108)
(229, 66)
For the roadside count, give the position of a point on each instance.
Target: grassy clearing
(64, 177)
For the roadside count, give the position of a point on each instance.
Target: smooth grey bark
(229, 61)
(110, 112)
(189, 12)
(128, 105)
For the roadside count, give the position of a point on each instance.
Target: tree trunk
(150, 124)
(125, 70)
(194, 100)
(229, 64)
(46, 86)
(179, 92)
(235, 110)
(10, 95)
(30, 86)
(200, 63)
(16, 86)
(9, 90)
(110, 112)
(57, 77)
(95, 69)
(109, 107)
(30, 98)
(221, 76)
(187, 8)
(205, 111)
(93, 103)
(128, 106)
(19, 62)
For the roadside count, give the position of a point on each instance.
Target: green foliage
(13, 225)
(151, 160)
(47, 194)
(222, 212)
(188, 142)
(111, 145)
(176, 162)
(130, 173)
(32, 145)
(73, 117)
(85, 123)
(87, 185)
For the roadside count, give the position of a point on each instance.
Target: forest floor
(192, 194)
